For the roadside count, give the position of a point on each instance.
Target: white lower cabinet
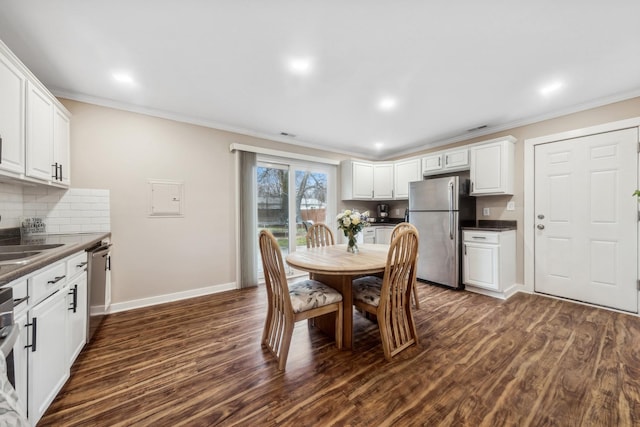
(489, 262)
(77, 321)
(52, 333)
(48, 362)
(383, 235)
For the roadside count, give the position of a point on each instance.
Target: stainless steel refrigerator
(438, 207)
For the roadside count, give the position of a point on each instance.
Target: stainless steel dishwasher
(99, 289)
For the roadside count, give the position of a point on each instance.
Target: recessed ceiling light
(121, 77)
(379, 145)
(550, 88)
(387, 104)
(300, 66)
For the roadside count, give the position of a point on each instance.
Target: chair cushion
(309, 294)
(367, 289)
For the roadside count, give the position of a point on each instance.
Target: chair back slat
(398, 328)
(319, 235)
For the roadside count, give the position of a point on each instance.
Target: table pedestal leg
(327, 323)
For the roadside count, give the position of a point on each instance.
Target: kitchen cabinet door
(39, 143)
(383, 181)
(456, 159)
(77, 321)
(357, 180)
(480, 267)
(61, 151)
(48, 363)
(405, 172)
(492, 168)
(12, 111)
(383, 235)
(431, 164)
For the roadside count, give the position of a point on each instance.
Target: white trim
(278, 153)
(503, 295)
(529, 178)
(237, 217)
(177, 296)
(519, 123)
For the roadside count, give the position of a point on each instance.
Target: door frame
(529, 180)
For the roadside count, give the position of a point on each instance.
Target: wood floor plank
(529, 361)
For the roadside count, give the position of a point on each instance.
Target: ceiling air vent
(476, 128)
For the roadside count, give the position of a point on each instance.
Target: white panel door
(586, 219)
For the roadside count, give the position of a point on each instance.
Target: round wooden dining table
(335, 267)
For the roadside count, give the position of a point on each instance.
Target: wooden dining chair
(319, 235)
(287, 305)
(389, 298)
(394, 233)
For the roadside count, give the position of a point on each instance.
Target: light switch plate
(486, 211)
(511, 206)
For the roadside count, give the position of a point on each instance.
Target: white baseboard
(504, 295)
(161, 299)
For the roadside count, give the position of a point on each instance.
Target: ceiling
(444, 67)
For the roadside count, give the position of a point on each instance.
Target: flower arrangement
(351, 223)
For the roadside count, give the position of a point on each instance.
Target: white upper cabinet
(61, 148)
(406, 171)
(39, 134)
(34, 127)
(382, 181)
(432, 164)
(12, 110)
(456, 159)
(446, 161)
(366, 181)
(492, 167)
(357, 180)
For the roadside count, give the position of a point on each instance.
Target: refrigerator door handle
(451, 210)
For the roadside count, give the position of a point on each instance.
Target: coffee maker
(383, 212)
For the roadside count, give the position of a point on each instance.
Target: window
(290, 196)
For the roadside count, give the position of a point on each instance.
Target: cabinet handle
(56, 280)
(55, 168)
(465, 249)
(60, 172)
(439, 159)
(82, 264)
(34, 328)
(108, 267)
(446, 160)
(372, 196)
(479, 237)
(472, 186)
(74, 303)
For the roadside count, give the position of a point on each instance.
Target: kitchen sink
(22, 254)
(28, 248)
(16, 256)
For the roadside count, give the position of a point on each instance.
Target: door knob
(540, 227)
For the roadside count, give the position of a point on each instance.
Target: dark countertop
(72, 243)
(391, 222)
(491, 225)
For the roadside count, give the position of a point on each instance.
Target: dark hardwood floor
(530, 361)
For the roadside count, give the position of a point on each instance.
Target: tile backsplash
(76, 210)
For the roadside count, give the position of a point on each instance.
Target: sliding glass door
(290, 197)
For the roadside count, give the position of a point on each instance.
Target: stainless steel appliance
(438, 207)
(8, 331)
(99, 286)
